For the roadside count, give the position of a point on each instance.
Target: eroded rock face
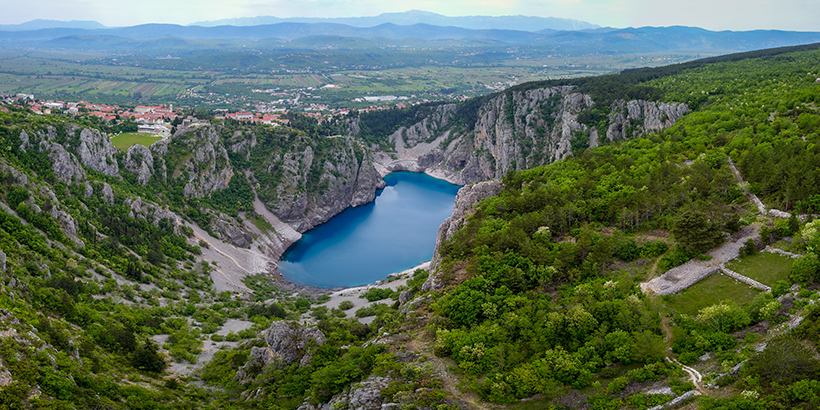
(153, 213)
(196, 154)
(643, 116)
(287, 343)
(290, 342)
(224, 226)
(344, 179)
(140, 162)
(66, 167)
(515, 130)
(466, 199)
(97, 152)
(365, 395)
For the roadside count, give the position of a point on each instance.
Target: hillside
(145, 278)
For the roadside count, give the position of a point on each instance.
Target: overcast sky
(800, 15)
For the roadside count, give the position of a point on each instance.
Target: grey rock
(258, 359)
(206, 163)
(97, 152)
(107, 193)
(466, 199)
(24, 143)
(153, 213)
(2, 261)
(290, 342)
(89, 190)
(405, 296)
(140, 162)
(365, 395)
(65, 165)
(514, 131)
(223, 225)
(345, 180)
(643, 117)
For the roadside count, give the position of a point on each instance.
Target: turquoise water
(364, 244)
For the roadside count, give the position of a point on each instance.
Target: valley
(146, 276)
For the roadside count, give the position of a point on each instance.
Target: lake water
(364, 244)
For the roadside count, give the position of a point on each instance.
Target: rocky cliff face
(97, 152)
(513, 131)
(196, 155)
(286, 343)
(140, 162)
(315, 187)
(642, 118)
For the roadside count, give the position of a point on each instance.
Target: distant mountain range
(43, 24)
(324, 35)
(408, 18)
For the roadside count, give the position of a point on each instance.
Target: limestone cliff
(641, 118)
(318, 181)
(140, 162)
(96, 151)
(515, 130)
(196, 156)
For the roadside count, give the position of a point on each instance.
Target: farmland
(205, 80)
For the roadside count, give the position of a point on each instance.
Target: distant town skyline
(791, 15)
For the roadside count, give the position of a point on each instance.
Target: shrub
(617, 385)
(805, 270)
(374, 294)
(346, 305)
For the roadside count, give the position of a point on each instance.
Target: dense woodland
(540, 300)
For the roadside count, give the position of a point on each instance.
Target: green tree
(805, 270)
(785, 360)
(694, 231)
(148, 358)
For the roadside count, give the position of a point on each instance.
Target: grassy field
(708, 292)
(766, 268)
(127, 139)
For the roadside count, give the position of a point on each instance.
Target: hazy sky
(802, 15)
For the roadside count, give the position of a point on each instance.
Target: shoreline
(276, 274)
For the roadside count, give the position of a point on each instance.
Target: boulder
(290, 342)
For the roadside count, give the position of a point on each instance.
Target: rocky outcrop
(225, 228)
(315, 187)
(107, 193)
(65, 165)
(140, 162)
(642, 118)
(2, 261)
(466, 199)
(290, 342)
(153, 213)
(97, 152)
(365, 395)
(287, 343)
(197, 155)
(514, 130)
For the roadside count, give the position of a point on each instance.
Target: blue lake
(364, 244)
